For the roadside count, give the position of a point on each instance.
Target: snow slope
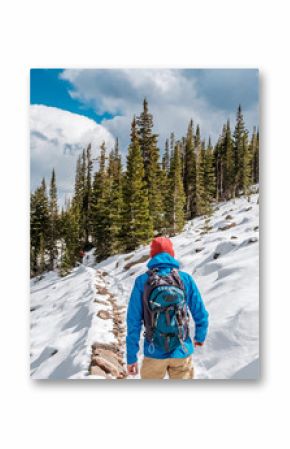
(225, 265)
(61, 316)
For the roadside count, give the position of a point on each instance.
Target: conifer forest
(120, 203)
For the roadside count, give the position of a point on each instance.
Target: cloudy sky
(71, 108)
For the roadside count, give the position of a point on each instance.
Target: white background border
(150, 33)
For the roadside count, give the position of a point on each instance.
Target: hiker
(161, 300)
(82, 253)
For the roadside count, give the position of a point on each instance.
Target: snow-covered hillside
(69, 315)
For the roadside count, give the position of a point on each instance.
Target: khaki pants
(176, 368)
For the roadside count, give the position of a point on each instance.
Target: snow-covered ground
(61, 318)
(225, 265)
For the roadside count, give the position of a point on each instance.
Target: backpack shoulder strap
(176, 276)
(153, 276)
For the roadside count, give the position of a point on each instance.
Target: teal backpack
(166, 317)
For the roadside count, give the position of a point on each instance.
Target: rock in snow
(77, 322)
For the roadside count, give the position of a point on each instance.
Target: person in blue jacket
(156, 363)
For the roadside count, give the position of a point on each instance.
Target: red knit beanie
(161, 245)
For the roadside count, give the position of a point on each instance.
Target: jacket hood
(163, 260)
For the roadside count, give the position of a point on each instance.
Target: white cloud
(56, 139)
(174, 98)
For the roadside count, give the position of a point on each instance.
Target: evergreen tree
(182, 150)
(42, 264)
(101, 208)
(147, 139)
(197, 139)
(137, 223)
(53, 222)
(172, 144)
(154, 189)
(220, 165)
(88, 194)
(239, 146)
(254, 152)
(77, 201)
(166, 158)
(175, 200)
(189, 178)
(83, 183)
(150, 153)
(65, 264)
(209, 184)
(201, 197)
(116, 200)
(98, 186)
(80, 198)
(228, 152)
(245, 166)
(256, 166)
(209, 175)
(77, 187)
(163, 185)
(39, 225)
(71, 244)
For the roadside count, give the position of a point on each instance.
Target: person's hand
(132, 369)
(198, 343)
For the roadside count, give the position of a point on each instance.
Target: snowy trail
(77, 327)
(107, 359)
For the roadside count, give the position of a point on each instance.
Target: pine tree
(189, 178)
(245, 164)
(150, 152)
(71, 243)
(80, 198)
(53, 222)
(209, 175)
(116, 200)
(254, 152)
(163, 186)
(172, 145)
(166, 158)
(182, 150)
(154, 189)
(101, 208)
(77, 201)
(209, 184)
(42, 264)
(175, 200)
(83, 175)
(77, 189)
(88, 195)
(220, 165)
(65, 263)
(197, 139)
(147, 139)
(256, 166)
(98, 186)
(201, 197)
(228, 152)
(239, 146)
(137, 223)
(39, 224)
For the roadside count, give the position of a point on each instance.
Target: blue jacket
(135, 312)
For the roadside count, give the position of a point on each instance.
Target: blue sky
(49, 89)
(71, 107)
